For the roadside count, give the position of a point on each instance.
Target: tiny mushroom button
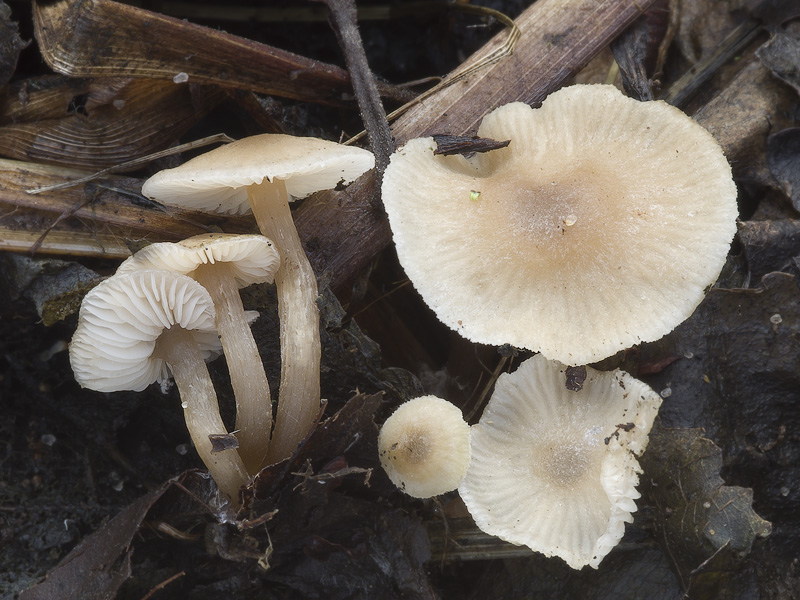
(600, 226)
(424, 447)
(223, 263)
(263, 174)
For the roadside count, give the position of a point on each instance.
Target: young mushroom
(424, 447)
(133, 329)
(600, 226)
(263, 174)
(224, 263)
(555, 469)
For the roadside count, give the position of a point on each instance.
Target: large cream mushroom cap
(217, 181)
(556, 470)
(121, 319)
(599, 227)
(424, 447)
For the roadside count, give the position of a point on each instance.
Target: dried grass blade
(101, 38)
(98, 123)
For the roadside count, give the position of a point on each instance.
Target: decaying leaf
(97, 123)
(111, 205)
(739, 379)
(101, 38)
(781, 54)
(101, 563)
(698, 513)
(639, 50)
(770, 245)
(55, 287)
(10, 44)
(783, 158)
(741, 117)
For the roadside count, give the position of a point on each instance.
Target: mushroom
(133, 329)
(263, 174)
(554, 469)
(223, 264)
(424, 447)
(600, 226)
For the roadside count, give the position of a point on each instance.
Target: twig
(506, 49)
(64, 215)
(679, 92)
(163, 584)
(342, 18)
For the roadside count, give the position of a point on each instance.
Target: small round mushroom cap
(599, 227)
(121, 319)
(424, 447)
(217, 180)
(556, 470)
(250, 258)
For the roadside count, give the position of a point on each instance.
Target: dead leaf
(698, 515)
(741, 117)
(100, 564)
(97, 123)
(770, 245)
(783, 158)
(101, 38)
(781, 54)
(112, 200)
(10, 44)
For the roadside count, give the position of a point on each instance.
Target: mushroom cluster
(172, 305)
(262, 174)
(597, 223)
(223, 264)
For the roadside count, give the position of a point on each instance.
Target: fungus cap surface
(600, 226)
(250, 258)
(121, 319)
(424, 447)
(556, 470)
(217, 180)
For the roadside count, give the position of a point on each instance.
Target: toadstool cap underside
(600, 226)
(217, 180)
(249, 258)
(121, 319)
(551, 469)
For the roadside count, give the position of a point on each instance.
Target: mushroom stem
(249, 381)
(296, 284)
(201, 411)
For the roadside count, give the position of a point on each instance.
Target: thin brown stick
(342, 18)
(502, 51)
(163, 584)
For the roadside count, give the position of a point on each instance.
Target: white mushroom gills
(554, 469)
(133, 329)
